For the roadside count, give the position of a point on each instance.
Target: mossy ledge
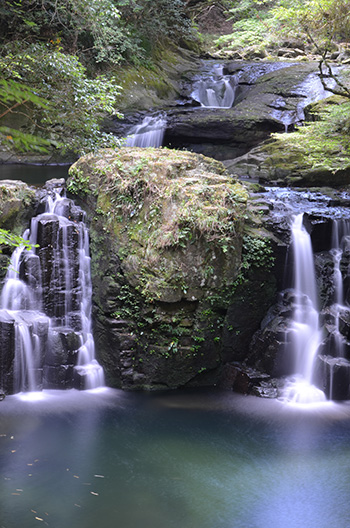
(166, 243)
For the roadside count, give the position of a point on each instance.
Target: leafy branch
(10, 239)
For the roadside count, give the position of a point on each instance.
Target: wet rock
(58, 377)
(62, 347)
(7, 351)
(332, 376)
(246, 381)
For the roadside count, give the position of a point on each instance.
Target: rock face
(166, 244)
(314, 159)
(269, 97)
(17, 202)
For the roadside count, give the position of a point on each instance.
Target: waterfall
(215, 90)
(149, 133)
(336, 366)
(46, 304)
(305, 332)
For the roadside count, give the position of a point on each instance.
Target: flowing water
(149, 133)
(317, 333)
(47, 298)
(306, 333)
(214, 89)
(200, 459)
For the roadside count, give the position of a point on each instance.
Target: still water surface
(180, 460)
(33, 174)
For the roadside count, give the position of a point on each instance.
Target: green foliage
(20, 141)
(89, 27)
(248, 9)
(77, 103)
(78, 182)
(13, 92)
(253, 24)
(51, 52)
(323, 144)
(12, 240)
(246, 33)
(157, 21)
(322, 20)
(12, 95)
(256, 253)
(104, 31)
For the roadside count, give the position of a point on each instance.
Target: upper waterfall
(215, 90)
(148, 133)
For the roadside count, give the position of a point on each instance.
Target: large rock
(316, 159)
(265, 103)
(166, 240)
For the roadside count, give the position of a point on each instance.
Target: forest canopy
(59, 59)
(64, 52)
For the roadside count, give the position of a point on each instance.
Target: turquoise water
(185, 460)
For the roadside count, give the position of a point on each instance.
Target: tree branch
(13, 107)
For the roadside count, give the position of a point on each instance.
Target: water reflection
(208, 460)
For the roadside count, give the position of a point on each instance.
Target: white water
(339, 243)
(22, 303)
(216, 90)
(305, 330)
(149, 133)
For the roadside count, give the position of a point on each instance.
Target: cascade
(215, 90)
(305, 331)
(317, 336)
(45, 315)
(334, 364)
(149, 133)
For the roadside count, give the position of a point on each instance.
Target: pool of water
(180, 460)
(33, 174)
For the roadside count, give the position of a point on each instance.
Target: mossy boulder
(155, 85)
(317, 154)
(166, 242)
(16, 208)
(16, 205)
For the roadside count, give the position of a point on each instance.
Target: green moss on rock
(177, 217)
(166, 244)
(16, 200)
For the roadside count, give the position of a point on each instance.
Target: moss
(166, 240)
(175, 215)
(317, 153)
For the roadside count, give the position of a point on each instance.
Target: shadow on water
(185, 459)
